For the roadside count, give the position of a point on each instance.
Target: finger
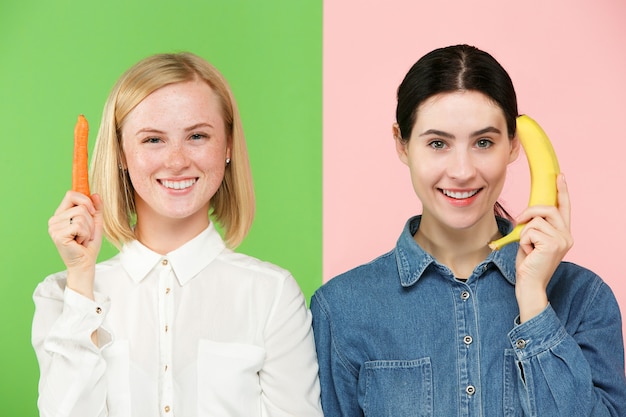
(541, 232)
(563, 199)
(73, 215)
(97, 202)
(73, 198)
(82, 229)
(65, 232)
(98, 223)
(550, 214)
(74, 224)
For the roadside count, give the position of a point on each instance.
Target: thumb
(563, 199)
(98, 218)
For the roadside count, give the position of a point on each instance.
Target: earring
(227, 161)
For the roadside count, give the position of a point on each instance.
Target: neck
(461, 250)
(167, 235)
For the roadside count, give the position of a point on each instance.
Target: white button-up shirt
(201, 331)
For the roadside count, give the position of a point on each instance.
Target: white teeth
(460, 195)
(178, 185)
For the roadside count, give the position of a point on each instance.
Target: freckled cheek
(139, 161)
(209, 163)
(140, 169)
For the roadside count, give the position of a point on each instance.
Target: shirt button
(164, 262)
(470, 390)
(166, 408)
(465, 295)
(520, 343)
(167, 291)
(468, 340)
(98, 310)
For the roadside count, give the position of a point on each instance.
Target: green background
(60, 58)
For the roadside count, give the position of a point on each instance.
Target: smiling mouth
(178, 185)
(460, 195)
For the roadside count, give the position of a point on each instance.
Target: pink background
(567, 60)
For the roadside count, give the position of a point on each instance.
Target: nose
(177, 157)
(461, 165)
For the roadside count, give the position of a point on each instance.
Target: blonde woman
(177, 323)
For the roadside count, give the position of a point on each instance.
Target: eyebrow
(488, 129)
(187, 129)
(197, 125)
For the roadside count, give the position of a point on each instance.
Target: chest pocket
(228, 379)
(397, 388)
(511, 401)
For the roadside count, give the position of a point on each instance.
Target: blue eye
(152, 140)
(198, 136)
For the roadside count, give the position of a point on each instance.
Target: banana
(544, 168)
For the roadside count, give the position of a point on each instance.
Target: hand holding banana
(544, 168)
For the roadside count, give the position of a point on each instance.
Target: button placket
(468, 361)
(166, 308)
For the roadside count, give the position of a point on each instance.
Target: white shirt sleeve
(72, 369)
(289, 378)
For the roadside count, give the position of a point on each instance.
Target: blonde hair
(233, 204)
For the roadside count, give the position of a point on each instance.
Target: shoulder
(246, 268)
(576, 277)
(251, 264)
(361, 280)
(575, 286)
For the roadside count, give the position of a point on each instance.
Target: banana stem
(505, 240)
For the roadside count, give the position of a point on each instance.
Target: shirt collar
(504, 258)
(412, 260)
(186, 261)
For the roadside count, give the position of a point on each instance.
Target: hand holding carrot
(76, 226)
(76, 230)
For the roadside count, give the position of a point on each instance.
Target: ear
(229, 145)
(401, 145)
(515, 147)
(122, 164)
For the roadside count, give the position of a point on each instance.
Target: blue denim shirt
(400, 336)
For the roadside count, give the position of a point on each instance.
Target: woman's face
(175, 147)
(458, 154)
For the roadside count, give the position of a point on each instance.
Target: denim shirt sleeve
(338, 379)
(573, 375)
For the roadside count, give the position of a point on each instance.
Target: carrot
(80, 165)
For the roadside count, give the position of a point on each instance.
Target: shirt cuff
(540, 333)
(87, 314)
